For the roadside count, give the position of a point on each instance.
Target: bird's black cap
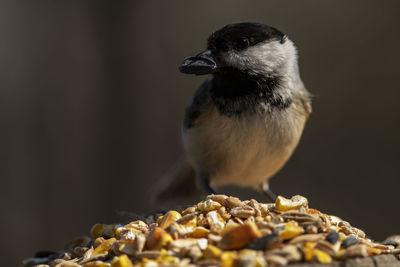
(240, 35)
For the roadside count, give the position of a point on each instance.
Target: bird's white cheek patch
(263, 58)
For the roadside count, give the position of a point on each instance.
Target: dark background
(91, 102)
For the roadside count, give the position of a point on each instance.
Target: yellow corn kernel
(121, 261)
(104, 230)
(169, 218)
(322, 256)
(96, 230)
(312, 254)
(239, 236)
(158, 239)
(104, 247)
(164, 241)
(199, 232)
(212, 252)
(374, 251)
(165, 259)
(227, 258)
(342, 236)
(191, 223)
(284, 204)
(99, 229)
(340, 254)
(259, 261)
(118, 232)
(230, 225)
(291, 230)
(308, 245)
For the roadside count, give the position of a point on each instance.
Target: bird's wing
(199, 103)
(306, 102)
(302, 100)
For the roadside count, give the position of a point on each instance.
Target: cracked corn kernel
(125, 247)
(212, 252)
(374, 251)
(105, 230)
(166, 259)
(227, 259)
(308, 245)
(284, 204)
(104, 247)
(291, 230)
(158, 238)
(229, 225)
(215, 221)
(121, 261)
(169, 218)
(189, 220)
(340, 254)
(312, 254)
(239, 236)
(126, 233)
(97, 242)
(199, 232)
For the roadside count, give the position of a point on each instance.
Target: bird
(246, 119)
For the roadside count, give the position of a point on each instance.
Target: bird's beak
(201, 64)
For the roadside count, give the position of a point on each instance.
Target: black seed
(350, 241)
(264, 242)
(44, 254)
(390, 243)
(332, 237)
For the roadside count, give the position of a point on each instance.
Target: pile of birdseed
(222, 231)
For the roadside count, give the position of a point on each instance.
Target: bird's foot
(268, 192)
(205, 183)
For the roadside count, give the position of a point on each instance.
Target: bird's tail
(177, 186)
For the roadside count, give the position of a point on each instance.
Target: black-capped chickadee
(246, 119)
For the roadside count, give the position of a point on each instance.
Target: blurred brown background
(91, 102)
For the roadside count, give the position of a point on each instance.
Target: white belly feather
(244, 150)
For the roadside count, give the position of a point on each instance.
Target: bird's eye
(242, 43)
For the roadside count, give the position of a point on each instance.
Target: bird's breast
(244, 150)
